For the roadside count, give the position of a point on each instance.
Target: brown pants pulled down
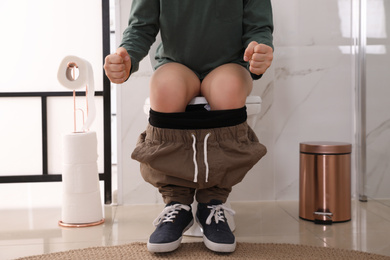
(208, 161)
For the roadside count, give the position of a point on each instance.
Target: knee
(162, 88)
(227, 87)
(171, 88)
(166, 95)
(162, 82)
(230, 93)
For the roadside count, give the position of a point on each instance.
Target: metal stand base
(73, 225)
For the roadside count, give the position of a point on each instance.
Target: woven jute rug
(198, 251)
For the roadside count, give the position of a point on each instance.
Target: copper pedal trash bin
(325, 182)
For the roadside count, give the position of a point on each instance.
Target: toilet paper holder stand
(71, 74)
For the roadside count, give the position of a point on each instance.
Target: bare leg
(227, 87)
(172, 87)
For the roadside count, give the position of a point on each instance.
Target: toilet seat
(253, 104)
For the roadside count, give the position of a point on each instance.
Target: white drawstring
(194, 158)
(205, 157)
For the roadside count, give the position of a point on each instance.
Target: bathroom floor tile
(35, 231)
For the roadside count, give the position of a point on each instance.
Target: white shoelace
(169, 213)
(217, 212)
(204, 158)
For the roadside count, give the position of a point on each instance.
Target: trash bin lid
(325, 147)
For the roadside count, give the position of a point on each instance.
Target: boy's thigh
(172, 87)
(227, 86)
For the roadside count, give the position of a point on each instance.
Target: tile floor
(35, 231)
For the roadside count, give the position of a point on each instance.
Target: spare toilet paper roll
(79, 148)
(80, 178)
(85, 77)
(82, 208)
(81, 201)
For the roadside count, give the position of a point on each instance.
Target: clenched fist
(117, 66)
(259, 56)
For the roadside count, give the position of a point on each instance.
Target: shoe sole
(217, 247)
(167, 247)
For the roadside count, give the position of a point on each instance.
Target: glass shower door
(376, 100)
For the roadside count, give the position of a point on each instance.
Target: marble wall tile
(312, 102)
(377, 99)
(378, 125)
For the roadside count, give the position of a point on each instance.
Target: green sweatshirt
(201, 34)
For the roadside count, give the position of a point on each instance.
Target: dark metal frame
(106, 94)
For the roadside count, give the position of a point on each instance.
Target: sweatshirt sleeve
(257, 24)
(141, 31)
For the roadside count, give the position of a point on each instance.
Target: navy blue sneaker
(172, 222)
(217, 235)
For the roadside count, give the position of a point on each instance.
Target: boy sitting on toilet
(213, 48)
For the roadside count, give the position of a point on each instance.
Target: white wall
(308, 94)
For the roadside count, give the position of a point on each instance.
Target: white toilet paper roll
(82, 208)
(81, 201)
(80, 178)
(79, 148)
(85, 77)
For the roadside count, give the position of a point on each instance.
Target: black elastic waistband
(198, 119)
